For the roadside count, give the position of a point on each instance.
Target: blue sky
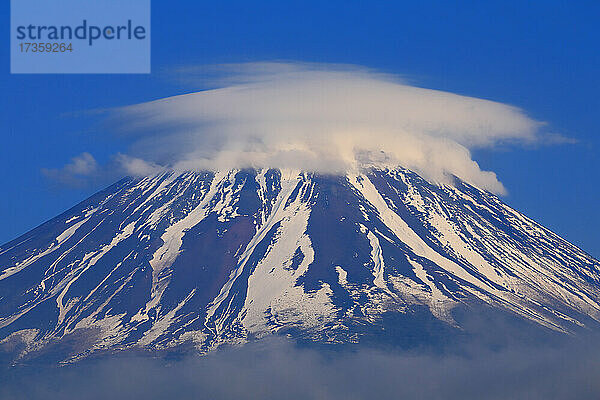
(540, 56)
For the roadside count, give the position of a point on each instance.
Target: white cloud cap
(324, 118)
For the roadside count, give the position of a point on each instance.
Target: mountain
(205, 259)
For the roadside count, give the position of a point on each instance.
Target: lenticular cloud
(323, 118)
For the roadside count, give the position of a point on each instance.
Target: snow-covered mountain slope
(212, 258)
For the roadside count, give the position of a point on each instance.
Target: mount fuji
(198, 260)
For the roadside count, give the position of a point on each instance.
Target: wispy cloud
(83, 170)
(76, 172)
(133, 166)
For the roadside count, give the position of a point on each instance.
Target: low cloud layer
(275, 369)
(323, 118)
